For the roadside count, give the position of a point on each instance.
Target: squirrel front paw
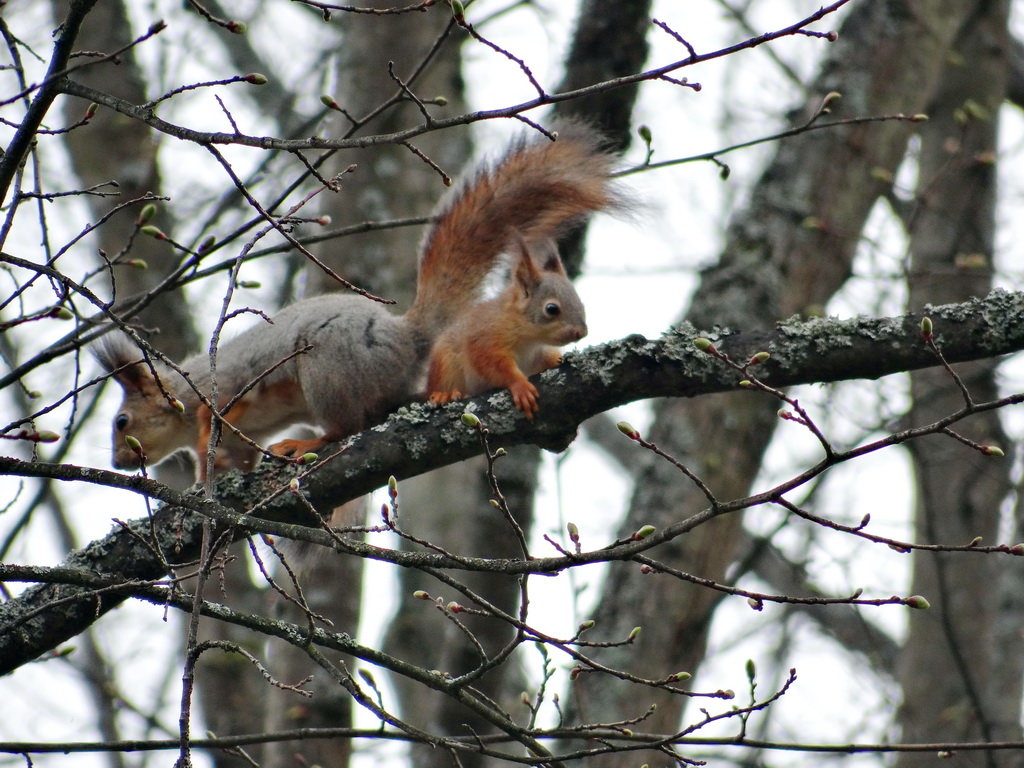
(524, 395)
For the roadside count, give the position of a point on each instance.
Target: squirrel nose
(578, 332)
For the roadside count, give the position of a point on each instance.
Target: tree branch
(420, 438)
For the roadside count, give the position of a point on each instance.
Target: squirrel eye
(121, 421)
(552, 309)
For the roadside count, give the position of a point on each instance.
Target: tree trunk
(788, 251)
(960, 491)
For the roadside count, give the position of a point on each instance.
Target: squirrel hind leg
(296, 448)
(442, 397)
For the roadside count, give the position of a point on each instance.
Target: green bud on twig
(154, 232)
(704, 345)
(643, 532)
(628, 430)
(147, 213)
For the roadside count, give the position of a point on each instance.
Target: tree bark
(813, 200)
(977, 695)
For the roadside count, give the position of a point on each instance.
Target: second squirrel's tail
(538, 189)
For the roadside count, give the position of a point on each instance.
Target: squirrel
(503, 340)
(342, 362)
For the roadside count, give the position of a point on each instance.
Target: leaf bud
(633, 634)
(293, 485)
(177, 405)
(759, 358)
(309, 458)
(46, 436)
(256, 78)
(704, 345)
(574, 532)
(584, 626)
(133, 443)
(420, 594)
(918, 602)
(470, 420)
(455, 607)
(643, 532)
(680, 677)
(644, 131)
(992, 450)
(926, 328)
(154, 232)
(751, 670)
(90, 111)
(138, 263)
(62, 313)
(207, 243)
(628, 430)
(236, 27)
(148, 212)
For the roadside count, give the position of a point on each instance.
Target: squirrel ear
(527, 276)
(550, 260)
(113, 352)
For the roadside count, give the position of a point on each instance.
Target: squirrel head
(547, 297)
(146, 413)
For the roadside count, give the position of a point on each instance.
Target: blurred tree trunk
(388, 182)
(114, 147)
(788, 251)
(959, 491)
(117, 148)
(465, 522)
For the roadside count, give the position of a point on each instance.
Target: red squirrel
(503, 340)
(364, 360)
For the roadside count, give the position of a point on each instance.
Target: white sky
(654, 257)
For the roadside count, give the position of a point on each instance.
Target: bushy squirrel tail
(538, 189)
